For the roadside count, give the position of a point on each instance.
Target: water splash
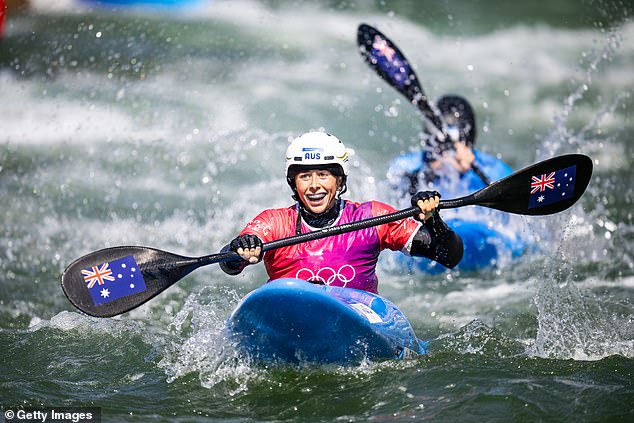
(573, 322)
(199, 343)
(590, 138)
(477, 338)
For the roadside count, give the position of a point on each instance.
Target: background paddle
(131, 276)
(390, 64)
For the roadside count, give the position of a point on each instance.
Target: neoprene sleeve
(437, 241)
(234, 267)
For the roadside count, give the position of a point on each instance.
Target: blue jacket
(450, 185)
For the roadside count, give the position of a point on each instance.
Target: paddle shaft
(510, 194)
(321, 233)
(334, 230)
(516, 193)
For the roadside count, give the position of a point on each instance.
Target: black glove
(422, 196)
(236, 266)
(246, 241)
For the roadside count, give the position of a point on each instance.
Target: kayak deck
(294, 321)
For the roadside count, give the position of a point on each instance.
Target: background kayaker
(317, 170)
(447, 164)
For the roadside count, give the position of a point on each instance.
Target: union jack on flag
(113, 280)
(553, 187)
(390, 62)
(381, 46)
(543, 182)
(97, 274)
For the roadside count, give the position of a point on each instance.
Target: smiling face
(317, 189)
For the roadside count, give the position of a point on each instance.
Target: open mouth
(315, 198)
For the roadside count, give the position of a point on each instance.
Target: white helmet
(317, 150)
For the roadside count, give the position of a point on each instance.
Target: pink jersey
(342, 260)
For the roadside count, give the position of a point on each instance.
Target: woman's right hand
(248, 246)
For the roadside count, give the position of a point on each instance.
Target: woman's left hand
(427, 202)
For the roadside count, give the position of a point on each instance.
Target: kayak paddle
(382, 55)
(115, 280)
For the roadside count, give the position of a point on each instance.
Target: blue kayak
(294, 321)
(484, 248)
(491, 238)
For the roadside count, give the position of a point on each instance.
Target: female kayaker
(317, 170)
(448, 164)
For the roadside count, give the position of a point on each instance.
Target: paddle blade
(382, 55)
(547, 187)
(387, 60)
(115, 280)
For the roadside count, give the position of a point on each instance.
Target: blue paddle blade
(382, 55)
(389, 62)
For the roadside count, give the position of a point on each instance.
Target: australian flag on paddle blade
(387, 59)
(112, 280)
(552, 187)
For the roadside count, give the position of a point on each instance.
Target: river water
(167, 128)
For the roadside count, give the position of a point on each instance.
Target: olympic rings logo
(327, 275)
